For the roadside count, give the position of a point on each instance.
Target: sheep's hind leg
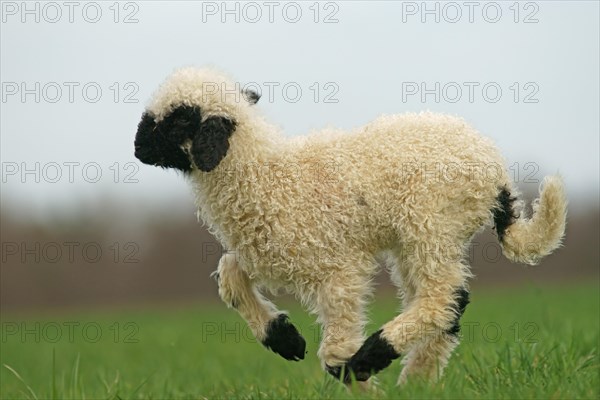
(270, 326)
(427, 358)
(423, 328)
(341, 307)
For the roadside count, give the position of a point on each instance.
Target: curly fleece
(313, 215)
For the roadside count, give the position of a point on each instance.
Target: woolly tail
(528, 240)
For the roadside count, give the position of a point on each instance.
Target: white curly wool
(310, 215)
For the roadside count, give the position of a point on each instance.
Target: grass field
(517, 343)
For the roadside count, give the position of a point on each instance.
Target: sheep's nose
(144, 142)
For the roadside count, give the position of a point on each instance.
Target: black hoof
(284, 339)
(340, 372)
(343, 373)
(374, 355)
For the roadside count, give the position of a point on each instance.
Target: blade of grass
(16, 374)
(142, 384)
(53, 373)
(75, 377)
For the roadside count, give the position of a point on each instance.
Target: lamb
(317, 215)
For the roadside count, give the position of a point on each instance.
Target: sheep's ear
(211, 143)
(251, 96)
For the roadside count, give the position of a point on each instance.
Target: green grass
(547, 348)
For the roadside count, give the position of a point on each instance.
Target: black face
(161, 144)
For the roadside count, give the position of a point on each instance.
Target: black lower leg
(375, 354)
(462, 299)
(284, 339)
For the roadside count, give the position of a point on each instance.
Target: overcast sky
(75, 80)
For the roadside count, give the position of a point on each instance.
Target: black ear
(161, 143)
(211, 143)
(251, 96)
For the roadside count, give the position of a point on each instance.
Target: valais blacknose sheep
(316, 216)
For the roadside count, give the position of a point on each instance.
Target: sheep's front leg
(270, 326)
